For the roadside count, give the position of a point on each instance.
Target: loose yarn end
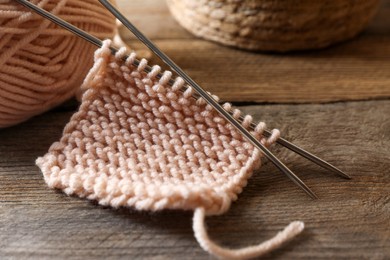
(200, 232)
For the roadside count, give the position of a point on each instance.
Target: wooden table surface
(351, 219)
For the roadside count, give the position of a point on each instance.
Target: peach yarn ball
(41, 64)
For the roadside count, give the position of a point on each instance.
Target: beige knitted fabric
(138, 142)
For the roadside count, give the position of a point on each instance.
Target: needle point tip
(313, 196)
(343, 174)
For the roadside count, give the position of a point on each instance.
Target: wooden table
(350, 220)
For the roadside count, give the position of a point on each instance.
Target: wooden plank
(355, 70)
(350, 220)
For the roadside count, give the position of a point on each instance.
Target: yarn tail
(292, 230)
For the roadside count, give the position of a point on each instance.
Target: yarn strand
(292, 230)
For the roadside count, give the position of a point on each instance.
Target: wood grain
(349, 221)
(355, 70)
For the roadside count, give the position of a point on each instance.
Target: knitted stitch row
(138, 142)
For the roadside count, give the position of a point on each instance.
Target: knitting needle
(304, 153)
(287, 144)
(78, 32)
(206, 96)
(210, 99)
(181, 73)
(267, 133)
(292, 147)
(98, 43)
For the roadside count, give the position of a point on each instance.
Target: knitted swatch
(138, 142)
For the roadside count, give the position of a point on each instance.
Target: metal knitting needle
(304, 153)
(98, 43)
(292, 147)
(228, 116)
(207, 97)
(287, 144)
(203, 93)
(267, 133)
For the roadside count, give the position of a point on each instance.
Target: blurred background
(278, 70)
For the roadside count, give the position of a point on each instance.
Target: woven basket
(274, 25)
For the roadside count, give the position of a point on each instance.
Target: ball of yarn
(274, 25)
(41, 64)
